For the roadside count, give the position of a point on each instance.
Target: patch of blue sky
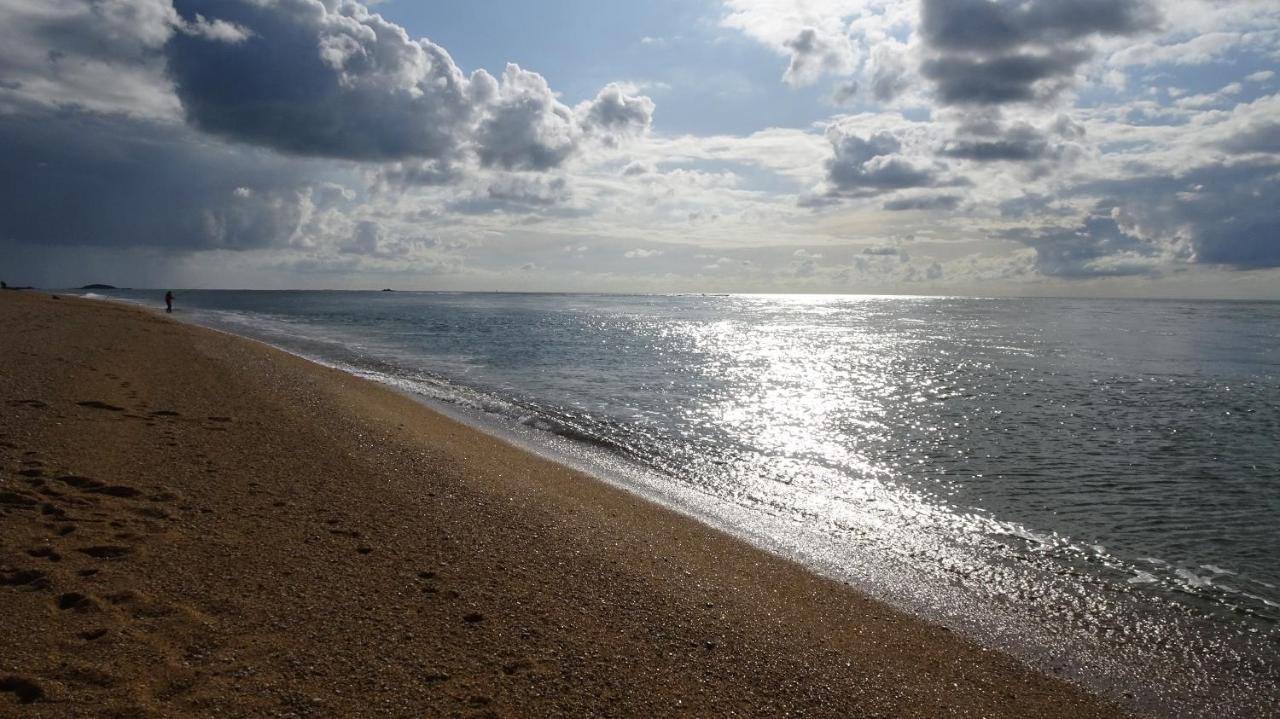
(706, 79)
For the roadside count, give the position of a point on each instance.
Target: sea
(1090, 484)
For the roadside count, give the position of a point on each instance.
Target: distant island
(99, 287)
(387, 289)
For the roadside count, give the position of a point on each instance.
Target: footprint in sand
(95, 404)
(48, 553)
(93, 486)
(77, 601)
(26, 580)
(17, 500)
(32, 403)
(25, 690)
(106, 551)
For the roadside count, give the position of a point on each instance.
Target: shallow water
(1094, 484)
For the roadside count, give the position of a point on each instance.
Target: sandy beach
(193, 524)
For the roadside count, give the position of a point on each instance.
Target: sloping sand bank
(197, 525)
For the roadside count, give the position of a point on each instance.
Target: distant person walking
(168, 301)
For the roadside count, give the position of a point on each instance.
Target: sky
(971, 147)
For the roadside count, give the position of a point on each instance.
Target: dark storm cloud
(990, 52)
(991, 26)
(73, 178)
(343, 84)
(997, 80)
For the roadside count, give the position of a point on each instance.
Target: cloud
(923, 202)
(370, 239)
(993, 26)
(641, 254)
(814, 54)
(992, 52)
(526, 128)
(1262, 136)
(232, 125)
(862, 166)
(614, 114)
(846, 92)
(515, 193)
(889, 72)
(217, 30)
(1098, 247)
(1003, 79)
(98, 56)
(1030, 203)
(1151, 222)
(984, 137)
(636, 167)
(338, 81)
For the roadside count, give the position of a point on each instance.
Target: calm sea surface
(1093, 484)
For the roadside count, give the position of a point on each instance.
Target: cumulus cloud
(614, 114)
(337, 80)
(873, 164)
(526, 127)
(341, 83)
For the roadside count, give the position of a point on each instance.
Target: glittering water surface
(1094, 484)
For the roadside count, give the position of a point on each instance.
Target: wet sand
(192, 524)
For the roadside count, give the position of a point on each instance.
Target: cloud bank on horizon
(921, 146)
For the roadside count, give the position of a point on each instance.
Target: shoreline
(338, 510)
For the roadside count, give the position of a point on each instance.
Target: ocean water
(1093, 485)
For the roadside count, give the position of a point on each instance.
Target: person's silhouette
(168, 301)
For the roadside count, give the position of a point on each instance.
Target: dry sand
(192, 524)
